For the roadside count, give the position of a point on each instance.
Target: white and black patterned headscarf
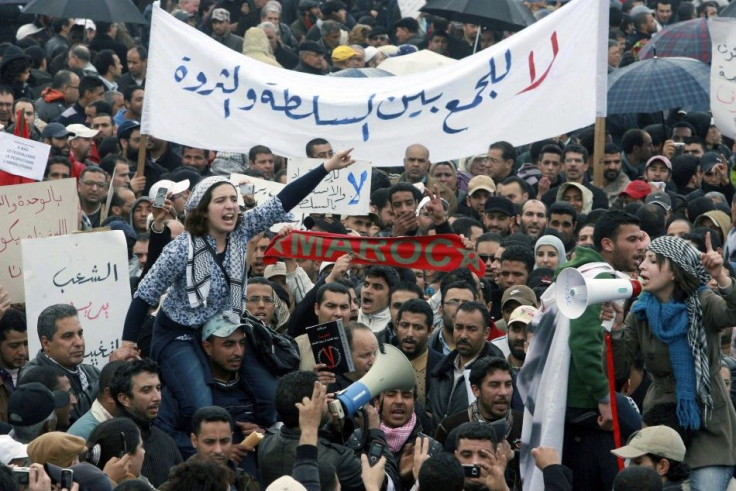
(687, 257)
(199, 267)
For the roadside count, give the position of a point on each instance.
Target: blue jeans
(178, 351)
(711, 478)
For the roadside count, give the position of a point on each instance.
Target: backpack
(278, 352)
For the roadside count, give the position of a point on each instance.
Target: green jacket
(586, 382)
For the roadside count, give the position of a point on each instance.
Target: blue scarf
(669, 322)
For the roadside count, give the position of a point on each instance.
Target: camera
(471, 470)
(21, 474)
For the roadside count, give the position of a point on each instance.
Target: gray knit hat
(202, 186)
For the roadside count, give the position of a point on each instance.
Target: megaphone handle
(612, 394)
(608, 324)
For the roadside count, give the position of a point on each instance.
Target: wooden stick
(599, 146)
(140, 171)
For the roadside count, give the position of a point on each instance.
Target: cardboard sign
(92, 275)
(27, 211)
(343, 192)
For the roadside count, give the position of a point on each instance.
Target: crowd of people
(215, 385)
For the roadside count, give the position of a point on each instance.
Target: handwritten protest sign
(23, 157)
(345, 191)
(544, 81)
(723, 74)
(32, 210)
(264, 189)
(92, 275)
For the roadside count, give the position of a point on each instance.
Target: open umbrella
(658, 84)
(729, 11)
(690, 39)
(420, 61)
(500, 15)
(99, 10)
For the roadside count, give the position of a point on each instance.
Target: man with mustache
(447, 388)
(136, 389)
(62, 348)
(223, 344)
(490, 381)
(614, 181)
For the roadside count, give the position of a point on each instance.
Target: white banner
(544, 81)
(723, 74)
(92, 275)
(410, 8)
(38, 209)
(23, 157)
(342, 192)
(263, 189)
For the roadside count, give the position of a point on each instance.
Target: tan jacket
(715, 443)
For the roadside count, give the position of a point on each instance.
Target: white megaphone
(391, 370)
(574, 292)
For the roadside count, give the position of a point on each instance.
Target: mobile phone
(246, 189)
(21, 474)
(123, 446)
(67, 479)
(374, 452)
(471, 470)
(158, 202)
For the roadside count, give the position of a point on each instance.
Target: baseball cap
(520, 293)
(661, 441)
(370, 53)
(278, 269)
(173, 187)
(55, 130)
(500, 204)
(221, 325)
(709, 160)
(127, 127)
(11, 449)
(661, 198)
(636, 189)
(481, 182)
(660, 158)
(30, 404)
(221, 14)
(343, 53)
(27, 30)
(311, 46)
(81, 131)
(524, 314)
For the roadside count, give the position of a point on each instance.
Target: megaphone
(391, 370)
(574, 292)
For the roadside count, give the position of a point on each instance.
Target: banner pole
(599, 146)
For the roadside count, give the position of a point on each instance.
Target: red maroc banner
(432, 252)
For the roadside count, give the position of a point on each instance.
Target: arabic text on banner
(39, 209)
(546, 80)
(92, 275)
(343, 192)
(723, 74)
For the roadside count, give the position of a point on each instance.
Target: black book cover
(330, 346)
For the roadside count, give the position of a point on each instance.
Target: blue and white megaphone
(391, 370)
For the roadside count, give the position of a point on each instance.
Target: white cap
(173, 187)
(11, 449)
(87, 23)
(278, 269)
(81, 131)
(27, 30)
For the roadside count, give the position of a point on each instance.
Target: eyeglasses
(453, 302)
(266, 300)
(487, 257)
(94, 184)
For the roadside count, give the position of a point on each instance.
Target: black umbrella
(99, 10)
(500, 15)
(729, 11)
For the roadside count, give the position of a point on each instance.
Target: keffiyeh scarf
(396, 437)
(680, 326)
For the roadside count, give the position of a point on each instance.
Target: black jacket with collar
(443, 398)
